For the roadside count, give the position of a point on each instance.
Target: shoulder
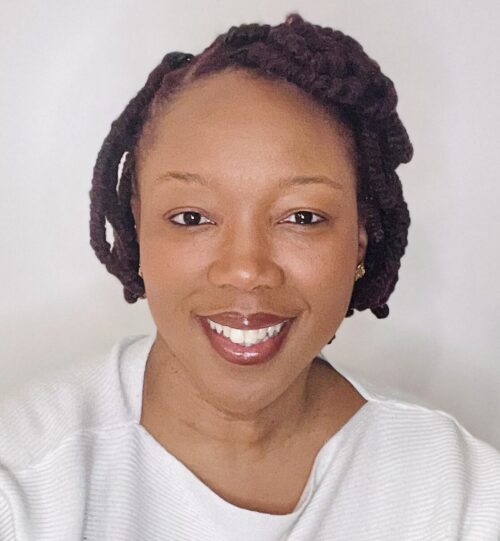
(436, 456)
(414, 430)
(46, 411)
(433, 432)
(428, 425)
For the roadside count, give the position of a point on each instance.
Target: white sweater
(75, 464)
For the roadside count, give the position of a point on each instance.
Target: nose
(245, 260)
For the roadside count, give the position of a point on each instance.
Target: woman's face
(244, 137)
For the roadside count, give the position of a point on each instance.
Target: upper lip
(237, 320)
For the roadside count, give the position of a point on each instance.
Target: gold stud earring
(360, 272)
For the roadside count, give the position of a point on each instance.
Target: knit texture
(75, 464)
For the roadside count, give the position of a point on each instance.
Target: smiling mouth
(247, 337)
(246, 347)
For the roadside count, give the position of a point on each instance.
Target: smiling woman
(257, 207)
(267, 229)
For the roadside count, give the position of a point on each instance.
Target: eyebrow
(284, 182)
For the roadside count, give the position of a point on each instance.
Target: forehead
(235, 122)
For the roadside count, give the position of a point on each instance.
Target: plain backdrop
(68, 68)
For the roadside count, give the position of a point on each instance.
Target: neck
(176, 410)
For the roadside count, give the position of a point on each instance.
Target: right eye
(193, 218)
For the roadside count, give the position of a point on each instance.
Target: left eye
(306, 216)
(192, 220)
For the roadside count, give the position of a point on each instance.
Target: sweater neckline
(133, 373)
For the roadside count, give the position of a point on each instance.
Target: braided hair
(335, 71)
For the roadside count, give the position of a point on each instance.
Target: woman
(257, 206)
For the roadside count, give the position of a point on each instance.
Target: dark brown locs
(333, 69)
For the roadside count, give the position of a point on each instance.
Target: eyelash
(207, 223)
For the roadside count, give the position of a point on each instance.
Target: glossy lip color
(243, 355)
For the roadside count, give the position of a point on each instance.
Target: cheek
(322, 273)
(175, 273)
(173, 270)
(323, 260)
(174, 256)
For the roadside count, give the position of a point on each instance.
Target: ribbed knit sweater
(76, 464)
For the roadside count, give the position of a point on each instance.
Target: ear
(135, 205)
(362, 242)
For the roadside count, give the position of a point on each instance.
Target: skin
(250, 433)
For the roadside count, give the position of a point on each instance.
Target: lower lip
(246, 355)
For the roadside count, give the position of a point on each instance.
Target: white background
(68, 69)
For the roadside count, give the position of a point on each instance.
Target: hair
(333, 69)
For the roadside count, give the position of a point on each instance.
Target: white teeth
(261, 333)
(237, 336)
(247, 338)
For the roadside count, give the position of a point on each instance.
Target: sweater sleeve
(7, 529)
